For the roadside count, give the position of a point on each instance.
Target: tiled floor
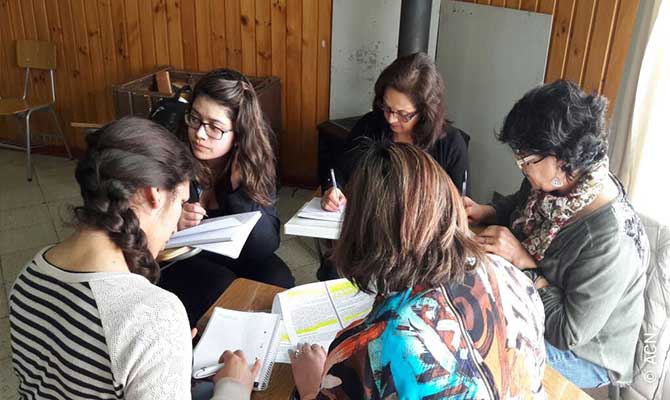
(33, 214)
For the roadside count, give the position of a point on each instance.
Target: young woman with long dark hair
(228, 134)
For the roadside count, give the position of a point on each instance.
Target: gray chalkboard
(489, 57)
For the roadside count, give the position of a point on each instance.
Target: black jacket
(450, 151)
(264, 238)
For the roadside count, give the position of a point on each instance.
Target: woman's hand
(333, 199)
(236, 367)
(478, 214)
(307, 362)
(500, 241)
(191, 215)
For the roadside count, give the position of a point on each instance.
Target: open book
(315, 312)
(311, 313)
(223, 235)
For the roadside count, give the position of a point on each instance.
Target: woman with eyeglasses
(227, 132)
(408, 108)
(571, 228)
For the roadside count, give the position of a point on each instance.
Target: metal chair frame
(26, 54)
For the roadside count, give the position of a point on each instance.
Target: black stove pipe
(414, 26)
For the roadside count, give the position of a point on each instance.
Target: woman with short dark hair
(572, 229)
(448, 321)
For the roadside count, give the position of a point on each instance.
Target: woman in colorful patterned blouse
(448, 321)
(570, 226)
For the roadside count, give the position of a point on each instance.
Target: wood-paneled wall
(589, 39)
(106, 42)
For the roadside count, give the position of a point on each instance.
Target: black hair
(121, 158)
(559, 119)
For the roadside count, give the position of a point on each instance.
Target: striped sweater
(97, 336)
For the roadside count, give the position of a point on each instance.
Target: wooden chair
(32, 54)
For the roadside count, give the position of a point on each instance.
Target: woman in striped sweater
(86, 320)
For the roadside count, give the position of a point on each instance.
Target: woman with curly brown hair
(227, 132)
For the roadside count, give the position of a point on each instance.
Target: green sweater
(596, 270)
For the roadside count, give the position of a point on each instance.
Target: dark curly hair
(254, 138)
(415, 76)
(561, 120)
(121, 158)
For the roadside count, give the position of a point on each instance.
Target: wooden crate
(139, 96)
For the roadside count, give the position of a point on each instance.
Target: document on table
(315, 312)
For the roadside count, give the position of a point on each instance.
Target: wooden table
(247, 295)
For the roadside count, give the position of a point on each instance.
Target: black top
(450, 151)
(264, 238)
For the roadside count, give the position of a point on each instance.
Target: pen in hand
(332, 178)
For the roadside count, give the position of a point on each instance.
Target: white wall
(489, 57)
(364, 42)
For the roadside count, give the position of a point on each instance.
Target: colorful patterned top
(480, 339)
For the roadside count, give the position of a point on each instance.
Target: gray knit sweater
(596, 270)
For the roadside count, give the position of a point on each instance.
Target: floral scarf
(545, 214)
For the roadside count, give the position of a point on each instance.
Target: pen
(465, 183)
(332, 178)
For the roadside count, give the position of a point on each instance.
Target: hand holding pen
(333, 199)
(191, 215)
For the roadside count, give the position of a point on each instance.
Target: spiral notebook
(255, 333)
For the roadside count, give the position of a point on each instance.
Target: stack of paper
(313, 210)
(223, 235)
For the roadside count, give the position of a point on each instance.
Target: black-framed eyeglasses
(530, 159)
(212, 131)
(401, 116)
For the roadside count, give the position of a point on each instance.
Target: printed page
(350, 303)
(309, 315)
(309, 311)
(284, 345)
(231, 330)
(312, 210)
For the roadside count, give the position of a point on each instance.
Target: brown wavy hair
(404, 225)
(253, 136)
(415, 76)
